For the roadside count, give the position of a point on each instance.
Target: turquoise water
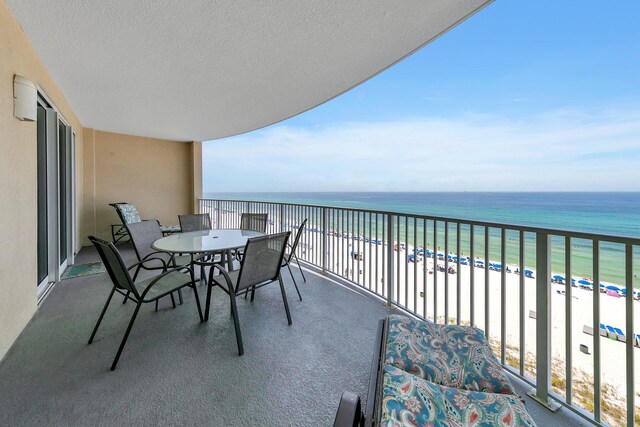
(605, 213)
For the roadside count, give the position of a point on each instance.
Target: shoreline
(360, 262)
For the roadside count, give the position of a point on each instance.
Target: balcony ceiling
(201, 70)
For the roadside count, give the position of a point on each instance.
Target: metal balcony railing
(502, 278)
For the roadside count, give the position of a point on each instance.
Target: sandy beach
(363, 263)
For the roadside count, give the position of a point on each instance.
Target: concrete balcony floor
(177, 371)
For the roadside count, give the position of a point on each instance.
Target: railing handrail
(344, 259)
(612, 238)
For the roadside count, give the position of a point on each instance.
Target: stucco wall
(18, 173)
(155, 175)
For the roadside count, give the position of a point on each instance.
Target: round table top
(205, 241)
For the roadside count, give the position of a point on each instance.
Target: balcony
(176, 370)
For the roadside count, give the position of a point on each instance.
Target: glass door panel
(43, 229)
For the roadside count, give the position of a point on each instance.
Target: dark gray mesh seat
(143, 234)
(253, 221)
(195, 222)
(146, 291)
(260, 265)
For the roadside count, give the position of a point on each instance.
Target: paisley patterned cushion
(449, 355)
(170, 228)
(411, 401)
(129, 213)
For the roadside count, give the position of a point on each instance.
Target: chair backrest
(253, 221)
(127, 212)
(195, 222)
(296, 240)
(143, 234)
(262, 260)
(112, 260)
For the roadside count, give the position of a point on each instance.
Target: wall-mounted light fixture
(25, 99)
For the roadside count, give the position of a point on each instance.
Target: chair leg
(195, 291)
(253, 294)
(156, 305)
(301, 272)
(104, 310)
(208, 304)
(194, 285)
(126, 335)
(236, 323)
(173, 301)
(126, 297)
(180, 296)
(284, 298)
(294, 282)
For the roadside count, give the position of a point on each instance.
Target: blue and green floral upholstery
(408, 400)
(128, 213)
(449, 355)
(170, 229)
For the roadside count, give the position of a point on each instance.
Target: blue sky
(524, 96)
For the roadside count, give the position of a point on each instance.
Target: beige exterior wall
(18, 270)
(157, 176)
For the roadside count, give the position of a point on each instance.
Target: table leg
(229, 261)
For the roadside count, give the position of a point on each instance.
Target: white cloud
(561, 150)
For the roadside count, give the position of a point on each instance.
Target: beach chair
(587, 329)
(603, 330)
(128, 214)
(619, 334)
(611, 332)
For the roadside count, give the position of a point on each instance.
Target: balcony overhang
(206, 70)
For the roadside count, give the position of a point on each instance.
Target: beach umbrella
(497, 265)
(623, 291)
(556, 277)
(440, 254)
(612, 288)
(584, 282)
(480, 262)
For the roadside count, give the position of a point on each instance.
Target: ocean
(613, 213)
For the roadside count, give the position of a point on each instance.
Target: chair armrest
(223, 272)
(349, 411)
(157, 279)
(149, 257)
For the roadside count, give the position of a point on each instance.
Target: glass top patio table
(205, 241)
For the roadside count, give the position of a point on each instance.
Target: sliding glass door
(43, 228)
(55, 195)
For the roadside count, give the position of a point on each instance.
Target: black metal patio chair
(259, 267)
(143, 234)
(198, 222)
(254, 221)
(145, 291)
(194, 222)
(292, 254)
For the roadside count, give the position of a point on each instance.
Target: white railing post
(543, 322)
(217, 213)
(390, 268)
(325, 239)
(281, 217)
